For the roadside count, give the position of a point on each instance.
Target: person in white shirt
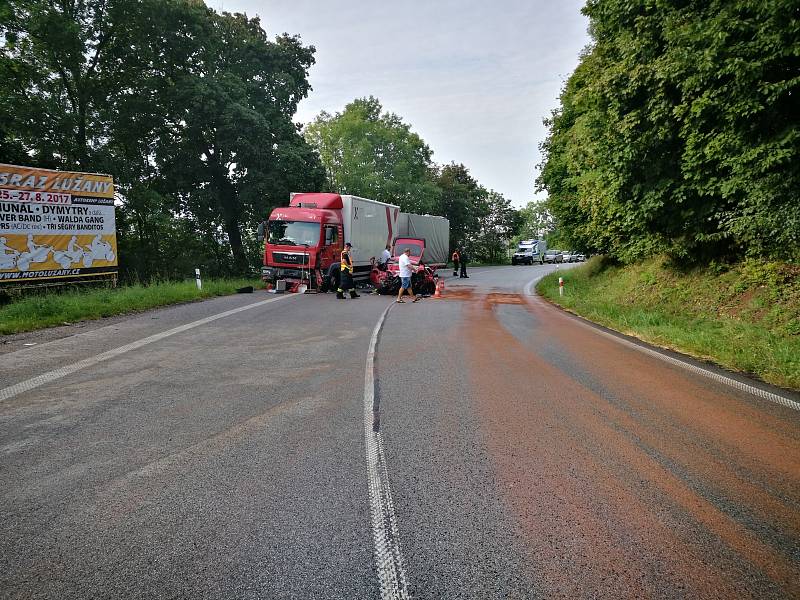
(406, 270)
(383, 263)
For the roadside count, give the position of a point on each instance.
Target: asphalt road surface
(482, 445)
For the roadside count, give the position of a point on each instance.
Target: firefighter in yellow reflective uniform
(346, 274)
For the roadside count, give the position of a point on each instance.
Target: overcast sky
(473, 78)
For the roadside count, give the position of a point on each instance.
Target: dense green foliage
(535, 222)
(375, 154)
(678, 132)
(746, 317)
(189, 110)
(481, 221)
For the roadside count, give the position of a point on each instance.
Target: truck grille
(292, 273)
(290, 258)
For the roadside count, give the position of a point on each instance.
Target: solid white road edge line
(729, 381)
(34, 382)
(388, 556)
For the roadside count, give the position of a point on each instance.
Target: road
(482, 445)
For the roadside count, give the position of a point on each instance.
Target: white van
(529, 252)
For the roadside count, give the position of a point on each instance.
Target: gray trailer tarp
(434, 230)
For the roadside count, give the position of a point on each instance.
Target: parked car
(580, 257)
(553, 256)
(568, 256)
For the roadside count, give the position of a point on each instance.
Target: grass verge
(47, 309)
(745, 317)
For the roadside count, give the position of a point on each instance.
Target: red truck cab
(303, 239)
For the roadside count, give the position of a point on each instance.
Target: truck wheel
(332, 282)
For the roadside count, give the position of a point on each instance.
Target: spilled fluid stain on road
(626, 477)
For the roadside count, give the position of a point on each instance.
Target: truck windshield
(293, 233)
(524, 249)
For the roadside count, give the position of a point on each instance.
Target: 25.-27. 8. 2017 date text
(42, 197)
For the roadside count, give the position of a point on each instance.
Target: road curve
(524, 456)
(550, 461)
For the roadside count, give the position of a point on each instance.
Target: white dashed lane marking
(386, 539)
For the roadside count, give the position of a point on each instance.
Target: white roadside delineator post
(197, 279)
(560, 286)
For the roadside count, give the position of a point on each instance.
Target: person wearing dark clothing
(263, 228)
(456, 256)
(463, 258)
(346, 274)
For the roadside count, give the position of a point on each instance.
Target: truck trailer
(433, 230)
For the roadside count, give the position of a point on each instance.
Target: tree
(190, 110)
(462, 200)
(676, 133)
(373, 154)
(74, 68)
(497, 225)
(233, 150)
(536, 222)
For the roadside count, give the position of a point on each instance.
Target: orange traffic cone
(439, 288)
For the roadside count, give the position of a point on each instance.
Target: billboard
(55, 225)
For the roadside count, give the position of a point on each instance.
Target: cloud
(474, 79)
